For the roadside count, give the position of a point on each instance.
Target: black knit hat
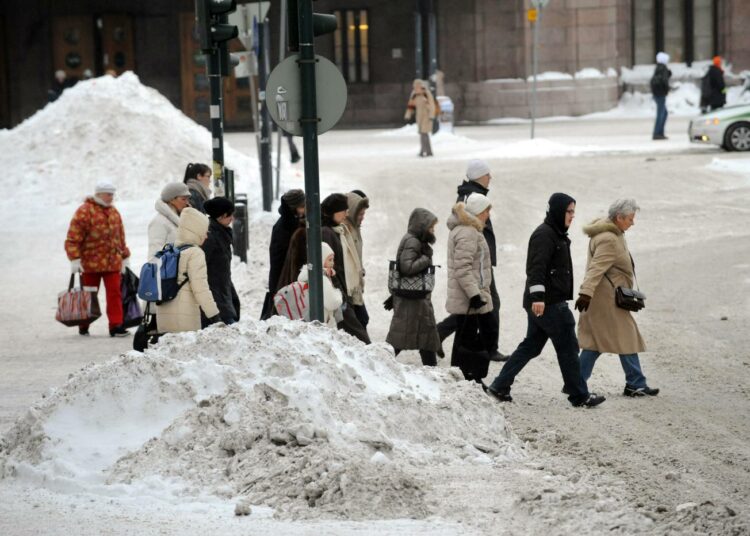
(294, 198)
(334, 203)
(218, 206)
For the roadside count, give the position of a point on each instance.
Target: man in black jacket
(549, 286)
(292, 216)
(478, 177)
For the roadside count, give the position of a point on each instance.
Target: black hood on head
(556, 207)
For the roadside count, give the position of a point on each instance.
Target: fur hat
(477, 203)
(294, 198)
(334, 203)
(105, 187)
(218, 206)
(476, 169)
(662, 57)
(325, 251)
(174, 189)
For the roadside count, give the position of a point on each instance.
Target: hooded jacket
(97, 237)
(469, 263)
(604, 327)
(183, 313)
(413, 325)
(281, 235)
(549, 268)
(464, 190)
(351, 243)
(162, 229)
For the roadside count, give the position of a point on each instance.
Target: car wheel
(738, 137)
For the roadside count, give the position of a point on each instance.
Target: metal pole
(266, 173)
(418, 59)
(216, 111)
(282, 55)
(534, 67)
(309, 123)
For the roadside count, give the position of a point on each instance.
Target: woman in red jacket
(95, 245)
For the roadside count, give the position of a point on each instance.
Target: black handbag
(628, 298)
(146, 333)
(413, 287)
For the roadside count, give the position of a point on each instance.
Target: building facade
(483, 48)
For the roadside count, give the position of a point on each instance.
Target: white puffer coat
(162, 229)
(469, 263)
(184, 312)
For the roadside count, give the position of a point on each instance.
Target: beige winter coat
(604, 327)
(351, 244)
(422, 106)
(184, 312)
(162, 229)
(469, 264)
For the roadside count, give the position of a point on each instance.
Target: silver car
(727, 127)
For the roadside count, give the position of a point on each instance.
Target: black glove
(583, 302)
(476, 302)
(214, 319)
(388, 304)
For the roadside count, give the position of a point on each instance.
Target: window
(352, 44)
(685, 29)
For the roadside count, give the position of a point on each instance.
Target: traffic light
(211, 18)
(322, 24)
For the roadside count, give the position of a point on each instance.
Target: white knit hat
(326, 251)
(476, 204)
(662, 57)
(476, 169)
(105, 187)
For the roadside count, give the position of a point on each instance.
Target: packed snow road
(678, 463)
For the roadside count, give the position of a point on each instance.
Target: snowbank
(285, 414)
(108, 128)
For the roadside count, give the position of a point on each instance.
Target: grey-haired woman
(603, 327)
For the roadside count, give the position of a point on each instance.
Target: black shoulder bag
(627, 298)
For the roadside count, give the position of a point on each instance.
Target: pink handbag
(77, 306)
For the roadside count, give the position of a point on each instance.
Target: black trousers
(476, 337)
(450, 324)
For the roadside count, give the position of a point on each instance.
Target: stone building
(483, 48)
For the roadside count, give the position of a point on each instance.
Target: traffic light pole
(266, 171)
(309, 123)
(216, 113)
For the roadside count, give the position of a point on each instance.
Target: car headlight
(714, 121)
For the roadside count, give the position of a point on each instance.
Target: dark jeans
(450, 324)
(661, 115)
(558, 325)
(362, 315)
(429, 359)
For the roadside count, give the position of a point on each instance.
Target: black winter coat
(218, 250)
(281, 235)
(549, 268)
(471, 187)
(660, 80)
(716, 97)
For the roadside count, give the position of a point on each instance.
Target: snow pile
(736, 166)
(285, 414)
(107, 128)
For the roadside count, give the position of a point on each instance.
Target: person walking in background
(291, 218)
(659, 90)
(549, 286)
(294, 155)
(413, 325)
(218, 251)
(332, 298)
(59, 84)
(469, 280)
(334, 209)
(162, 229)
(478, 177)
(421, 107)
(95, 245)
(351, 241)
(713, 88)
(183, 313)
(198, 180)
(602, 326)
